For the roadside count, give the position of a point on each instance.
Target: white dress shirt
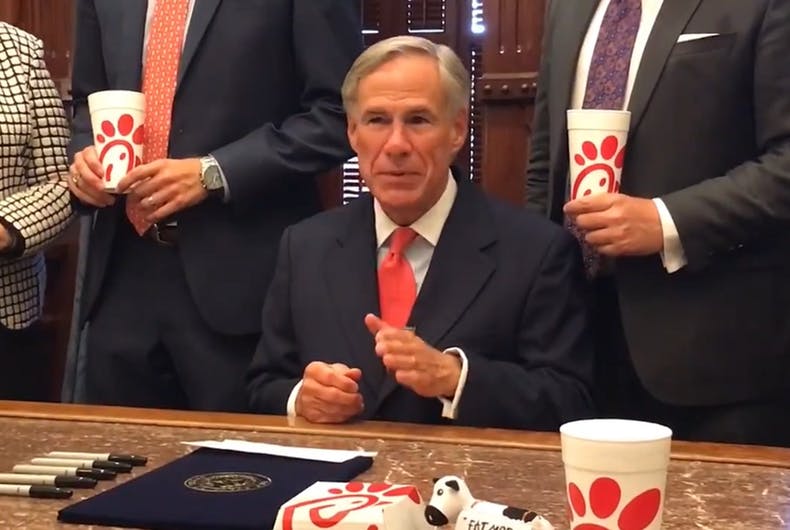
(672, 256)
(418, 254)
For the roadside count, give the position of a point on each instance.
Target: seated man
(482, 318)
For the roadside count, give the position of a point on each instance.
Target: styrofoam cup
(117, 120)
(615, 472)
(597, 146)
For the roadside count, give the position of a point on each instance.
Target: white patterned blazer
(34, 202)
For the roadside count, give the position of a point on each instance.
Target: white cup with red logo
(596, 142)
(117, 120)
(615, 473)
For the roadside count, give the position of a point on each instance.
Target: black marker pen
(133, 460)
(61, 481)
(69, 471)
(118, 467)
(40, 492)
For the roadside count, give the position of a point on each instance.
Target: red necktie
(160, 74)
(397, 287)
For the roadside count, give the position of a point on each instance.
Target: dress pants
(25, 369)
(620, 393)
(148, 345)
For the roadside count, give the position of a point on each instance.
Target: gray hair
(452, 72)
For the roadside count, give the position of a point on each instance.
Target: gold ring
(75, 178)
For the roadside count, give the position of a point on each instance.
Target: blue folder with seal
(210, 489)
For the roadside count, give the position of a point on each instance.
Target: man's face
(404, 136)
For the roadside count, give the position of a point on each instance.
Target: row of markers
(52, 476)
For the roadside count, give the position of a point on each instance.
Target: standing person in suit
(243, 111)
(425, 300)
(34, 201)
(691, 327)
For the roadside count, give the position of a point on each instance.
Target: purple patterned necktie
(607, 82)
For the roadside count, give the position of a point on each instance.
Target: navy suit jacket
(258, 87)
(504, 285)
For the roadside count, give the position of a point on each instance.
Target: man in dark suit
(691, 324)
(243, 110)
(482, 311)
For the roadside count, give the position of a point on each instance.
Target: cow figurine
(452, 502)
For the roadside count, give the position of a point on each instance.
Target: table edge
(483, 437)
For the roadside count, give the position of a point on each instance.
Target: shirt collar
(429, 226)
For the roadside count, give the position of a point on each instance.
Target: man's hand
(165, 187)
(329, 393)
(618, 225)
(5, 239)
(85, 179)
(413, 363)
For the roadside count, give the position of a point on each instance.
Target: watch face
(213, 178)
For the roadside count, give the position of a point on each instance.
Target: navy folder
(210, 489)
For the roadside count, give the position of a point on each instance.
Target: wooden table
(710, 486)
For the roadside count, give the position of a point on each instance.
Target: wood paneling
(52, 22)
(511, 55)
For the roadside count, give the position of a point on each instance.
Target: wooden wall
(51, 21)
(511, 57)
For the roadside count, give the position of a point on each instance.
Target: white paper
(304, 453)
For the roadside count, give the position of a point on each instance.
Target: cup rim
(610, 112)
(119, 92)
(616, 430)
(130, 100)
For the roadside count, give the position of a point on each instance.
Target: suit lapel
(130, 65)
(572, 24)
(353, 287)
(202, 14)
(459, 269)
(672, 18)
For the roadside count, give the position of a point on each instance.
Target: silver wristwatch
(210, 177)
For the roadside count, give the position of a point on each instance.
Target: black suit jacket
(710, 135)
(258, 88)
(503, 285)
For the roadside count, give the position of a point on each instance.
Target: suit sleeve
(88, 73)
(720, 214)
(539, 164)
(327, 39)
(275, 367)
(39, 213)
(549, 380)
(88, 76)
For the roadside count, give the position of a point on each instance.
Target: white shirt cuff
(291, 406)
(673, 256)
(450, 407)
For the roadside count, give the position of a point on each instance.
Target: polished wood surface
(709, 485)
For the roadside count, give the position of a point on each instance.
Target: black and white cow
(452, 502)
